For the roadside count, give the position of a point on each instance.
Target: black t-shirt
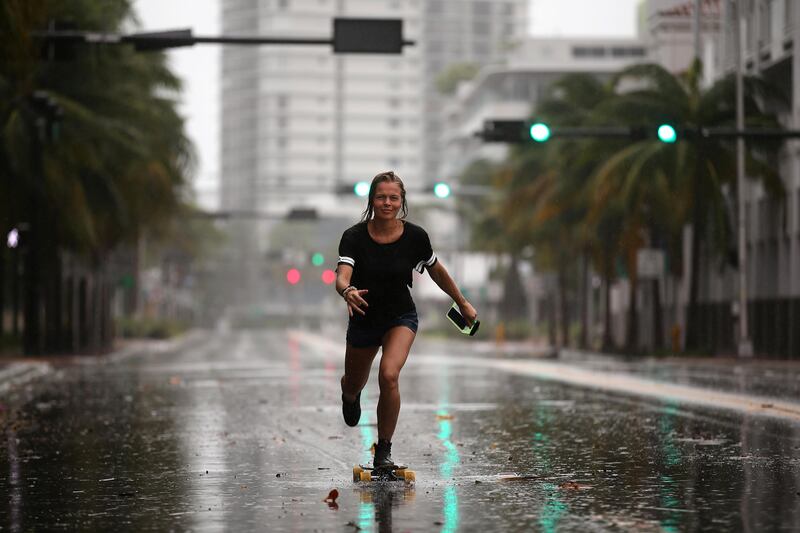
(385, 269)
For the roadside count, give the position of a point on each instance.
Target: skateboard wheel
(357, 473)
(409, 475)
(365, 475)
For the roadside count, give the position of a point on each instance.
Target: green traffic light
(361, 189)
(441, 190)
(667, 134)
(317, 259)
(540, 132)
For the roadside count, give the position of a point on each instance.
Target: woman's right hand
(355, 301)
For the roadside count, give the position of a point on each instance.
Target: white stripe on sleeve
(422, 264)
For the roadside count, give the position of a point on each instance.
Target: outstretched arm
(442, 278)
(352, 295)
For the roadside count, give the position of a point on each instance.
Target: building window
(481, 9)
(627, 52)
(588, 51)
(480, 26)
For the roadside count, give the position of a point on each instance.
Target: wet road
(242, 431)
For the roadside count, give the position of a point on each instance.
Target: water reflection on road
(244, 432)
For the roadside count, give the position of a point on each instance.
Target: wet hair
(385, 177)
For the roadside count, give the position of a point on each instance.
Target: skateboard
(384, 473)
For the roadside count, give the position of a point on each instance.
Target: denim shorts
(365, 336)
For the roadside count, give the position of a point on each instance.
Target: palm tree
(119, 164)
(546, 203)
(665, 186)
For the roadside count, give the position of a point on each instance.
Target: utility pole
(745, 346)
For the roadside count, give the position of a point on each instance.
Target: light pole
(745, 346)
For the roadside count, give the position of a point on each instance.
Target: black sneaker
(383, 454)
(352, 411)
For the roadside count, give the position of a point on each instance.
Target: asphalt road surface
(242, 431)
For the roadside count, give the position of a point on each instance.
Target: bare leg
(396, 345)
(357, 363)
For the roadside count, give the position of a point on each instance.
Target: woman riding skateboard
(376, 257)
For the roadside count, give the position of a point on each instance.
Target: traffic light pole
(745, 346)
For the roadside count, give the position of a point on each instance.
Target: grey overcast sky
(199, 65)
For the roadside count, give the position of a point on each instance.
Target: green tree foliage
(109, 165)
(601, 200)
(120, 160)
(447, 82)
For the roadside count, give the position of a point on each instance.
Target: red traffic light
(293, 276)
(328, 276)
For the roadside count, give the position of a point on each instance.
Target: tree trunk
(632, 332)
(658, 319)
(52, 313)
(692, 318)
(552, 322)
(514, 305)
(91, 312)
(563, 307)
(608, 339)
(583, 343)
(15, 284)
(32, 337)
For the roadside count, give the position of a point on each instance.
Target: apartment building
(771, 41)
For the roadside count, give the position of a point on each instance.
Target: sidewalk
(18, 370)
(767, 378)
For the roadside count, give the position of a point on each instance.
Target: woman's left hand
(468, 312)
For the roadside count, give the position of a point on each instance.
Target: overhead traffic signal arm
(521, 131)
(350, 36)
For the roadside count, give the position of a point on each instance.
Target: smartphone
(458, 320)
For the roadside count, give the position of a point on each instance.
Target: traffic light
(367, 36)
(508, 131)
(293, 276)
(540, 132)
(441, 190)
(328, 276)
(361, 189)
(317, 259)
(667, 134)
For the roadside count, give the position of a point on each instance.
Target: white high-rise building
(298, 121)
(458, 32)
